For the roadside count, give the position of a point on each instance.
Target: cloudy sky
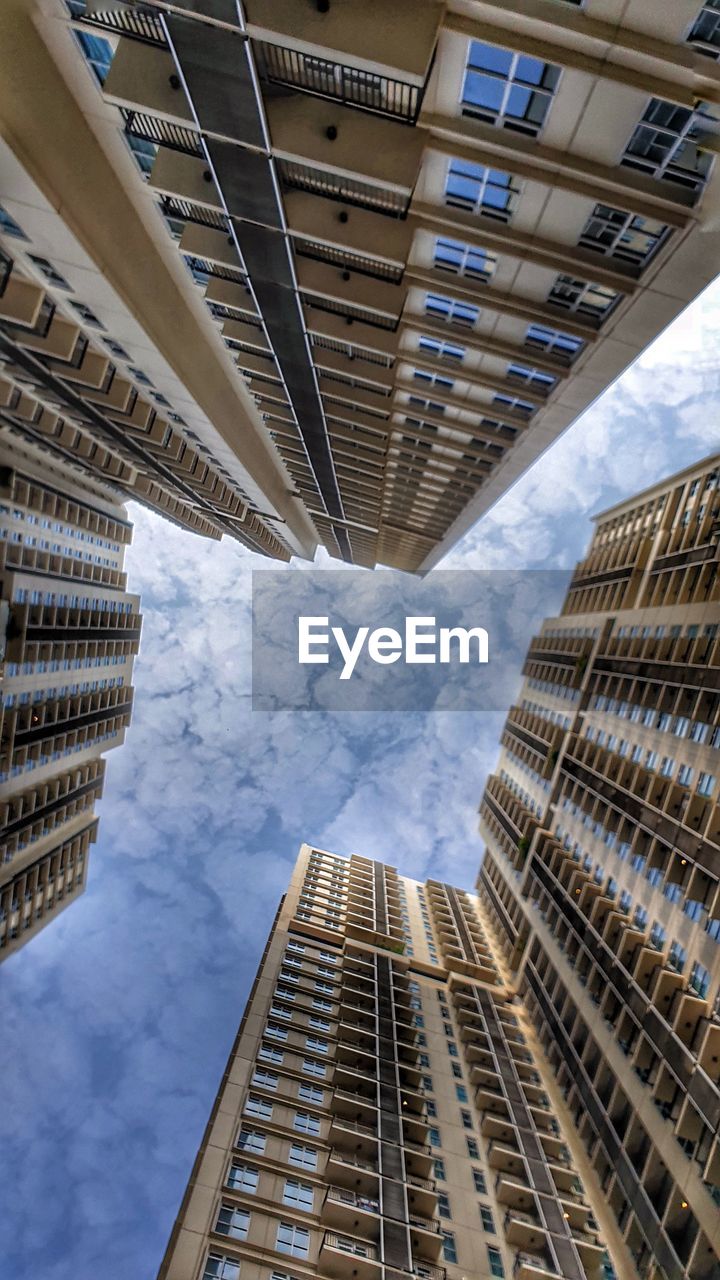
(118, 1018)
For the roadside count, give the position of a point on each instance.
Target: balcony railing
(380, 94)
(354, 1199)
(358, 1248)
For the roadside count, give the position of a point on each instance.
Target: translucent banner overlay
(349, 640)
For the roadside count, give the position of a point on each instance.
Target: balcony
(345, 1210)
(505, 1158)
(360, 1138)
(352, 1104)
(523, 1229)
(498, 1127)
(422, 1196)
(347, 1258)
(419, 1161)
(513, 1191)
(346, 1167)
(530, 1267)
(425, 1237)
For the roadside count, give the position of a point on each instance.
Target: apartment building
(602, 864)
(386, 1111)
(322, 272)
(69, 630)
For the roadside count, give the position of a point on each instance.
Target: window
(438, 350)
(258, 1107)
(297, 947)
(556, 343)
(472, 1147)
(664, 144)
(430, 1107)
(699, 979)
(312, 1068)
(243, 1177)
(233, 1222)
(467, 1119)
(705, 31)
(433, 379)
(475, 188)
(677, 956)
(427, 1084)
(706, 784)
(449, 1247)
(302, 1157)
(434, 1137)
(293, 1240)
(319, 1003)
(9, 226)
(451, 309)
(278, 1011)
(278, 1033)
(268, 1079)
(251, 1140)
(456, 1070)
(98, 53)
(298, 1195)
(487, 1220)
(440, 1169)
(47, 269)
(461, 1093)
(507, 89)
(496, 1262)
(311, 1093)
(464, 259)
(270, 1054)
(479, 1181)
(316, 1043)
(443, 1205)
(219, 1267)
(593, 300)
(305, 1123)
(452, 1049)
(531, 377)
(623, 235)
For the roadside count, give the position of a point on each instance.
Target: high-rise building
(386, 1113)
(602, 864)
(69, 630)
(338, 272)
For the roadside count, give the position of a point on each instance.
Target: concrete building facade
(69, 631)
(602, 864)
(386, 1109)
(315, 272)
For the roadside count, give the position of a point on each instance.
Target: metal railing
(357, 262)
(353, 1198)
(135, 22)
(163, 133)
(346, 309)
(382, 95)
(187, 211)
(358, 1248)
(338, 186)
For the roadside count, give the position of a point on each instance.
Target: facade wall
(70, 631)
(383, 1062)
(602, 863)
